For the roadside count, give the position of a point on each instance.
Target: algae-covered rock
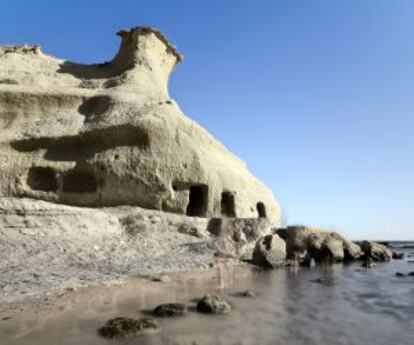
(170, 309)
(124, 327)
(270, 251)
(213, 304)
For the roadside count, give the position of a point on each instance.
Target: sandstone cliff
(109, 134)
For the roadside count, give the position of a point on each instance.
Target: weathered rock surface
(109, 134)
(46, 247)
(306, 243)
(124, 327)
(170, 310)
(270, 251)
(213, 304)
(376, 251)
(236, 237)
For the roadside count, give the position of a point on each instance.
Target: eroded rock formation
(109, 134)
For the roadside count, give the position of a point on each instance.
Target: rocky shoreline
(47, 248)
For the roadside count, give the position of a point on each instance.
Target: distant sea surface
(338, 304)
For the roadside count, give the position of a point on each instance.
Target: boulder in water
(376, 251)
(213, 304)
(270, 251)
(170, 309)
(124, 327)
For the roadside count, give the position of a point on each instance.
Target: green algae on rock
(124, 327)
(213, 304)
(170, 309)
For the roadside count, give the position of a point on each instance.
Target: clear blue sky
(316, 96)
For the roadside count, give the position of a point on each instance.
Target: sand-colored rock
(270, 251)
(376, 251)
(109, 134)
(46, 247)
(305, 243)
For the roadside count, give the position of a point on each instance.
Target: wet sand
(322, 305)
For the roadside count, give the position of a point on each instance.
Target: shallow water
(349, 306)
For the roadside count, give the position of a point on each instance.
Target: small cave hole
(261, 210)
(79, 182)
(43, 179)
(227, 205)
(197, 204)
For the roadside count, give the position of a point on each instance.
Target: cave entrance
(197, 202)
(227, 205)
(43, 179)
(79, 182)
(261, 210)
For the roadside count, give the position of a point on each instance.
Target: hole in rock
(79, 182)
(261, 210)
(197, 204)
(42, 178)
(227, 204)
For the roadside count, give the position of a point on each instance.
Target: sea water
(337, 304)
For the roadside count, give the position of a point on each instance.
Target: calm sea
(339, 304)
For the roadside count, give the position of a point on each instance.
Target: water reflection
(322, 305)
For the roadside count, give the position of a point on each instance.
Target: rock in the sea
(270, 251)
(213, 304)
(352, 251)
(170, 309)
(306, 243)
(368, 263)
(124, 327)
(397, 255)
(376, 251)
(399, 274)
(411, 274)
(248, 293)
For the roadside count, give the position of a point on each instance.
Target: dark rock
(376, 251)
(213, 304)
(410, 261)
(269, 251)
(162, 279)
(170, 309)
(124, 327)
(399, 274)
(368, 263)
(411, 274)
(248, 293)
(397, 256)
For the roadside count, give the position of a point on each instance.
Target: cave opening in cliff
(79, 182)
(42, 179)
(197, 203)
(227, 205)
(261, 210)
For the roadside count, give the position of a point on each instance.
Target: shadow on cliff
(85, 145)
(85, 71)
